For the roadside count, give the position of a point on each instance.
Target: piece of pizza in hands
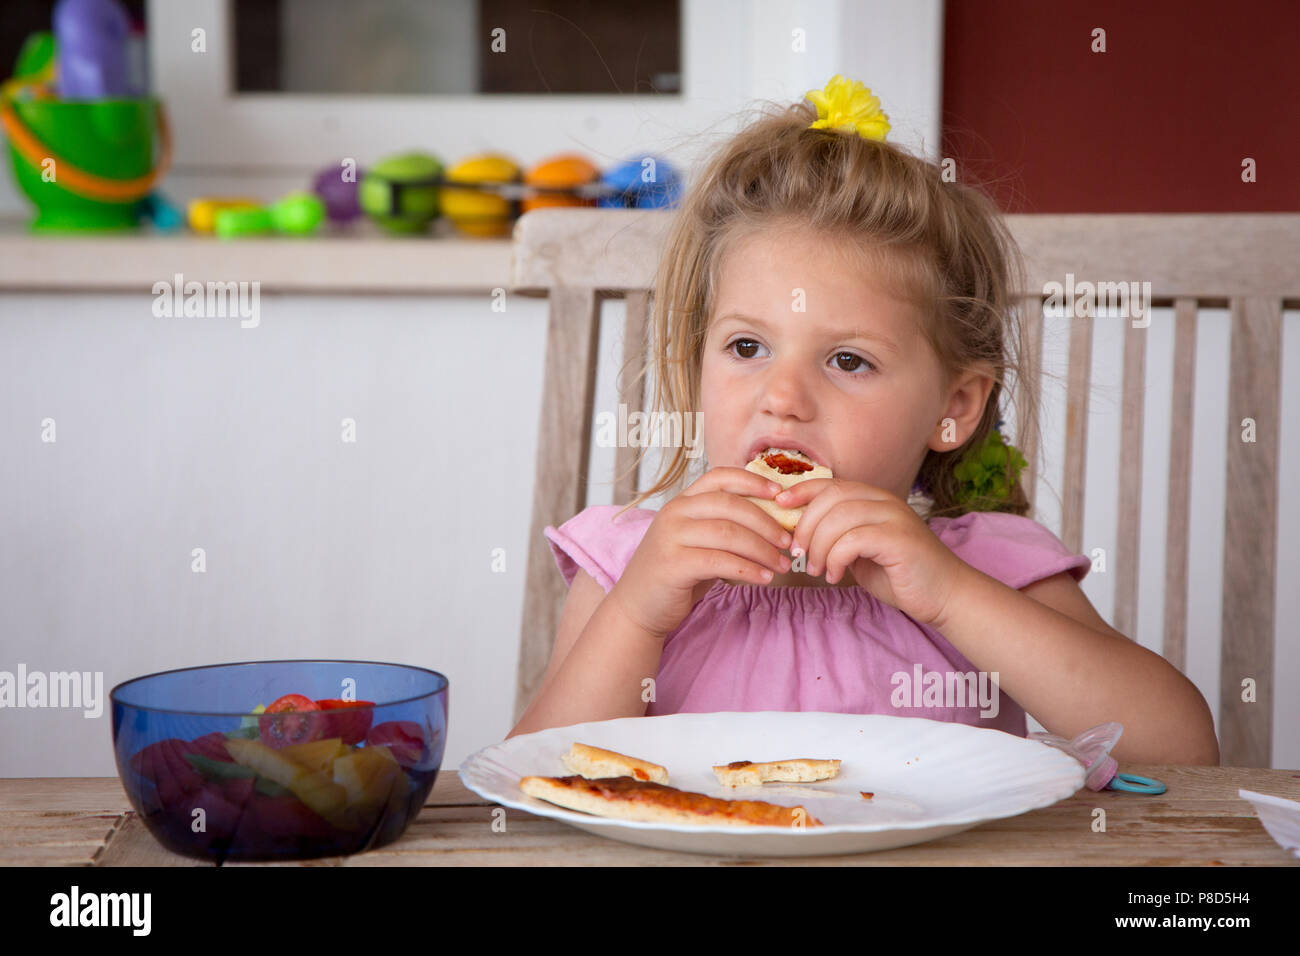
(786, 467)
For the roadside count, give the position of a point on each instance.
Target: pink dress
(752, 647)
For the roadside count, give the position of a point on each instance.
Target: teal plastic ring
(1135, 784)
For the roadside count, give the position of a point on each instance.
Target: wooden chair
(579, 257)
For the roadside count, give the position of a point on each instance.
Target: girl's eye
(854, 362)
(746, 348)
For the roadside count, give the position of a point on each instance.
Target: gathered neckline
(780, 587)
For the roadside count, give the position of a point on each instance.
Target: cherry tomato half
(289, 720)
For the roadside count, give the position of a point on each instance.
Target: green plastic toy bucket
(86, 164)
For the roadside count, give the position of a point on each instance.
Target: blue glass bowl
(212, 779)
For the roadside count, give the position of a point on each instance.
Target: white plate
(929, 778)
(1278, 815)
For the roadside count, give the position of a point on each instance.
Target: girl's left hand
(891, 551)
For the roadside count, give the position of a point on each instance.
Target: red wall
(1160, 122)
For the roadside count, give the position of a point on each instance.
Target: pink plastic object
(1092, 749)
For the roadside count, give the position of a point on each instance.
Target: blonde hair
(940, 244)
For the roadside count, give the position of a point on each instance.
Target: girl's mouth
(773, 445)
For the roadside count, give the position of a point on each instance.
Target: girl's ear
(967, 397)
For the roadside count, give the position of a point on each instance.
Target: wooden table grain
(1199, 821)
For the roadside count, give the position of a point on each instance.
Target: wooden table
(1198, 821)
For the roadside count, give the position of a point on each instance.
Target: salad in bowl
(280, 759)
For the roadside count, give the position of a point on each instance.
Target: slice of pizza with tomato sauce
(626, 798)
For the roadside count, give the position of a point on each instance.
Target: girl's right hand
(708, 531)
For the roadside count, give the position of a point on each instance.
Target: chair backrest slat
(631, 390)
(1076, 432)
(1031, 359)
(1130, 463)
(1250, 531)
(1174, 647)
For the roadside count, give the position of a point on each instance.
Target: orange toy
(564, 171)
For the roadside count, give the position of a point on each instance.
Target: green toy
(234, 223)
(37, 59)
(401, 192)
(298, 214)
(85, 165)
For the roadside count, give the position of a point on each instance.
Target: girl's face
(850, 379)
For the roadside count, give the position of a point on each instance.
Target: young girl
(825, 291)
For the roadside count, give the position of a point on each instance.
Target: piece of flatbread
(746, 773)
(594, 763)
(625, 798)
(769, 464)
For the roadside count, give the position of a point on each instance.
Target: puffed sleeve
(598, 540)
(1015, 550)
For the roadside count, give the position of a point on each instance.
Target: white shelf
(359, 260)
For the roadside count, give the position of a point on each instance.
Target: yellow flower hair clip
(848, 105)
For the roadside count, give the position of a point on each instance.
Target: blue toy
(630, 188)
(157, 210)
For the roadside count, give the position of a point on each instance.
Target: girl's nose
(787, 392)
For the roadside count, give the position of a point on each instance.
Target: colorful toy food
(203, 212)
(299, 214)
(250, 221)
(164, 216)
(338, 194)
(643, 182)
(479, 212)
(566, 171)
(401, 193)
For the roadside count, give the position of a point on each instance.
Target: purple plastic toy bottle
(91, 37)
